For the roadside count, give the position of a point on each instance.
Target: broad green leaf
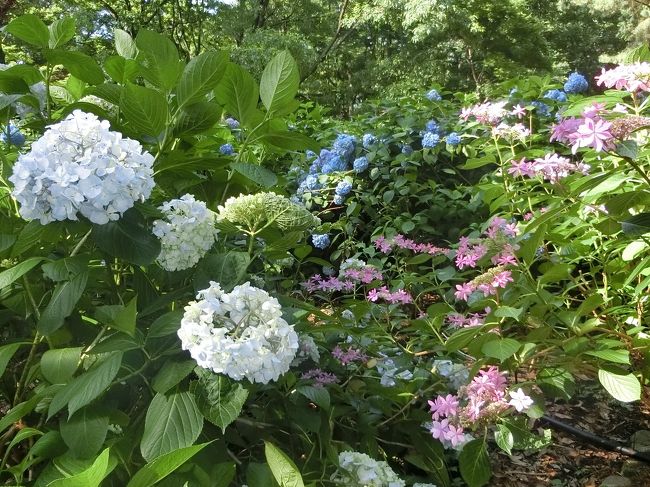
(556, 381)
(625, 388)
(238, 93)
(16, 272)
(200, 76)
(171, 373)
(615, 356)
(284, 470)
(145, 109)
(461, 338)
(318, 395)
(501, 348)
(256, 173)
(121, 70)
(227, 269)
(128, 238)
(20, 410)
(172, 422)
(28, 237)
(475, 464)
(22, 435)
(636, 225)
(165, 325)
(259, 475)
(8, 351)
(162, 466)
(61, 31)
(159, 57)
(85, 388)
(280, 81)
(84, 433)
(294, 141)
(197, 117)
(29, 28)
(219, 399)
(80, 65)
(91, 477)
(110, 92)
(524, 439)
(61, 305)
(124, 44)
(503, 437)
(508, 312)
(59, 365)
(628, 149)
(633, 249)
(66, 268)
(119, 317)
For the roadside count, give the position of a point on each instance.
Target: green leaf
(628, 149)
(8, 351)
(16, 272)
(197, 118)
(200, 76)
(128, 238)
(284, 470)
(66, 268)
(294, 141)
(20, 410)
(556, 381)
(84, 433)
(62, 304)
(475, 464)
(91, 477)
(280, 81)
(633, 249)
(162, 466)
(160, 58)
(238, 93)
(625, 388)
(171, 373)
(461, 338)
(508, 312)
(219, 399)
(119, 317)
(165, 325)
(255, 173)
(29, 28)
(615, 356)
(80, 65)
(318, 395)
(59, 365)
(83, 389)
(144, 108)
(227, 269)
(503, 437)
(124, 44)
(110, 92)
(172, 422)
(501, 348)
(636, 225)
(61, 31)
(259, 475)
(121, 70)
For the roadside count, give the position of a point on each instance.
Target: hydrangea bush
(204, 282)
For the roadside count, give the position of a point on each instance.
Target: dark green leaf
(16, 272)
(61, 31)
(284, 470)
(636, 225)
(84, 433)
(91, 477)
(63, 301)
(200, 76)
(159, 56)
(144, 108)
(8, 351)
(171, 373)
(628, 149)
(162, 466)
(59, 365)
(29, 28)
(165, 325)
(501, 348)
(294, 141)
(197, 118)
(219, 398)
(238, 93)
(80, 65)
(475, 464)
(227, 269)
(255, 173)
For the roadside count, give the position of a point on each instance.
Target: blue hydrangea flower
(338, 199)
(232, 123)
(543, 110)
(328, 270)
(513, 92)
(335, 163)
(407, 149)
(360, 164)
(430, 140)
(453, 139)
(369, 140)
(310, 154)
(344, 145)
(13, 134)
(343, 188)
(557, 95)
(227, 149)
(432, 126)
(576, 83)
(433, 95)
(320, 241)
(311, 183)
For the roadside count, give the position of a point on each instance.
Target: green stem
(81, 242)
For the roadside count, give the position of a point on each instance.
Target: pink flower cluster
(385, 245)
(398, 297)
(551, 167)
(632, 77)
(476, 404)
(488, 283)
(320, 377)
(589, 131)
(470, 252)
(346, 281)
(457, 320)
(488, 113)
(348, 356)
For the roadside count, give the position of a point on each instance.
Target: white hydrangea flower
(359, 470)
(351, 264)
(307, 349)
(80, 166)
(240, 334)
(389, 372)
(186, 233)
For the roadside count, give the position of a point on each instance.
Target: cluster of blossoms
(475, 405)
(359, 470)
(397, 297)
(227, 149)
(348, 356)
(389, 372)
(556, 95)
(385, 245)
(497, 238)
(511, 133)
(433, 95)
(576, 83)
(320, 240)
(631, 77)
(456, 374)
(488, 283)
(80, 166)
(12, 135)
(351, 273)
(488, 113)
(457, 320)
(369, 140)
(232, 123)
(240, 334)
(320, 377)
(186, 233)
(551, 167)
(307, 350)
(591, 130)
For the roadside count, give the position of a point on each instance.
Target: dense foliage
(205, 282)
